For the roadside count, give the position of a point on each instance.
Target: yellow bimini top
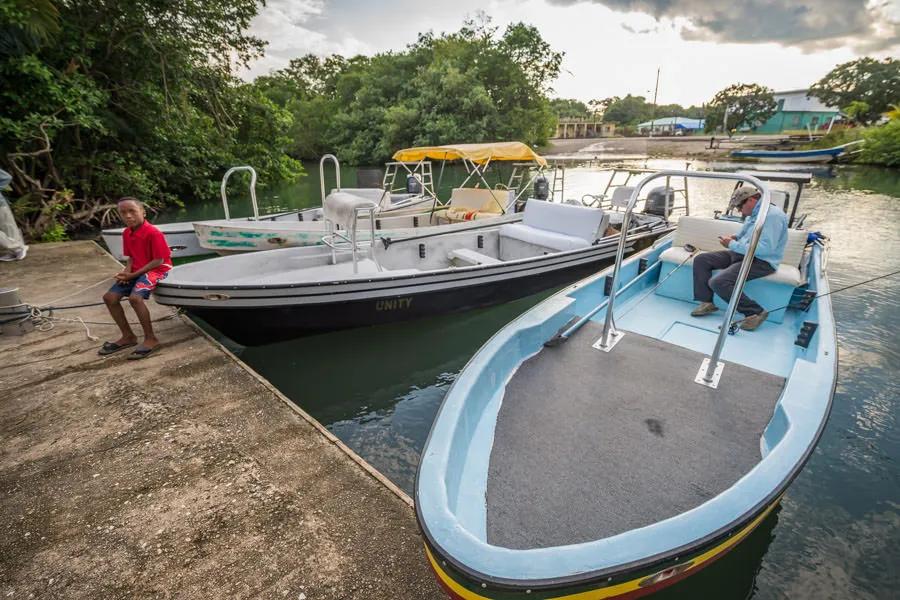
(476, 153)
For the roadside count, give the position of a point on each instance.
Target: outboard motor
(659, 201)
(541, 188)
(413, 185)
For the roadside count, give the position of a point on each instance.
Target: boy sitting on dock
(149, 261)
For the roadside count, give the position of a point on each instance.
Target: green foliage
(473, 85)
(628, 111)
(882, 145)
(569, 108)
(857, 110)
(122, 98)
(747, 105)
(55, 233)
(633, 110)
(873, 82)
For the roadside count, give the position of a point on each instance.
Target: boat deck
(590, 444)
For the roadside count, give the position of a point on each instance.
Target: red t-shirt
(145, 244)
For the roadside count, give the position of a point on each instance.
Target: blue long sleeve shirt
(772, 240)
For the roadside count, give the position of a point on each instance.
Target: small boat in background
(823, 155)
(410, 206)
(607, 444)
(182, 238)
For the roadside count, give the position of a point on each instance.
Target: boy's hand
(124, 276)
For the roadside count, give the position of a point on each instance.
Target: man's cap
(742, 194)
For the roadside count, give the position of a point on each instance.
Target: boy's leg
(144, 285)
(143, 314)
(112, 300)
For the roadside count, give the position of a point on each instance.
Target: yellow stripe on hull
(620, 588)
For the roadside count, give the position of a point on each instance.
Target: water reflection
(379, 388)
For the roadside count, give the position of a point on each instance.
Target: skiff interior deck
(545, 228)
(578, 458)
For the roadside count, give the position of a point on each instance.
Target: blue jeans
(729, 264)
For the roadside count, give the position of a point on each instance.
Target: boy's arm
(146, 268)
(125, 274)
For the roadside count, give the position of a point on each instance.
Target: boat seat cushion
(480, 199)
(341, 207)
(567, 219)
(472, 204)
(771, 292)
(703, 234)
(550, 240)
(785, 273)
(548, 227)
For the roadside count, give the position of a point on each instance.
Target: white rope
(75, 293)
(45, 323)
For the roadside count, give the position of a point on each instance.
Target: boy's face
(131, 213)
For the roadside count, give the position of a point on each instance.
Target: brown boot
(705, 308)
(753, 321)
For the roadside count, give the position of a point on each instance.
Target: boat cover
(477, 153)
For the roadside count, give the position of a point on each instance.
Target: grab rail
(337, 173)
(252, 190)
(711, 368)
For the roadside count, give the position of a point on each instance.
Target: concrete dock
(183, 475)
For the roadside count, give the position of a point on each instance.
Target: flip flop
(111, 347)
(141, 352)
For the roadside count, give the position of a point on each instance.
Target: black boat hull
(254, 326)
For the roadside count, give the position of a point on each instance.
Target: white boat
(181, 237)
(412, 204)
(264, 297)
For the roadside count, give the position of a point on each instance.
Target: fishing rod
(807, 300)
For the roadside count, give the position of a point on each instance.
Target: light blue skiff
(494, 489)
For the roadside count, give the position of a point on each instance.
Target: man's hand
(725, 240)
(124, 276)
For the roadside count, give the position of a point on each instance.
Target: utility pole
(653, 114)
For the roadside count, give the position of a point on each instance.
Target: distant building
(796, 110)
(570, 127)
(671, 126)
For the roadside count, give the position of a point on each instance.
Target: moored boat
(402, 208)
(607, 444)
(822, 155)
(270, 296)
(180, 236)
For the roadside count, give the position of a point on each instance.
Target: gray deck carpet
(589, 444)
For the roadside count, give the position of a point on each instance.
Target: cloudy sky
(613, 47)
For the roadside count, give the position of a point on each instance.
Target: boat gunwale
(690, 548)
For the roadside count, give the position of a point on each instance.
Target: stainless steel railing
(252, 190)
(711, 368)
(337, 173)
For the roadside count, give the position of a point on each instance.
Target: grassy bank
(881, 143)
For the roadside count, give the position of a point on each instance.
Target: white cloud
(607, 52)
(289, 27)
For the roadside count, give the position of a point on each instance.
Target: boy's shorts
(141, 286)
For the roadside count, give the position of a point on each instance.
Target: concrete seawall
(181, 475)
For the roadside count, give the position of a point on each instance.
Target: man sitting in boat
(149, 261)
(769, 253)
